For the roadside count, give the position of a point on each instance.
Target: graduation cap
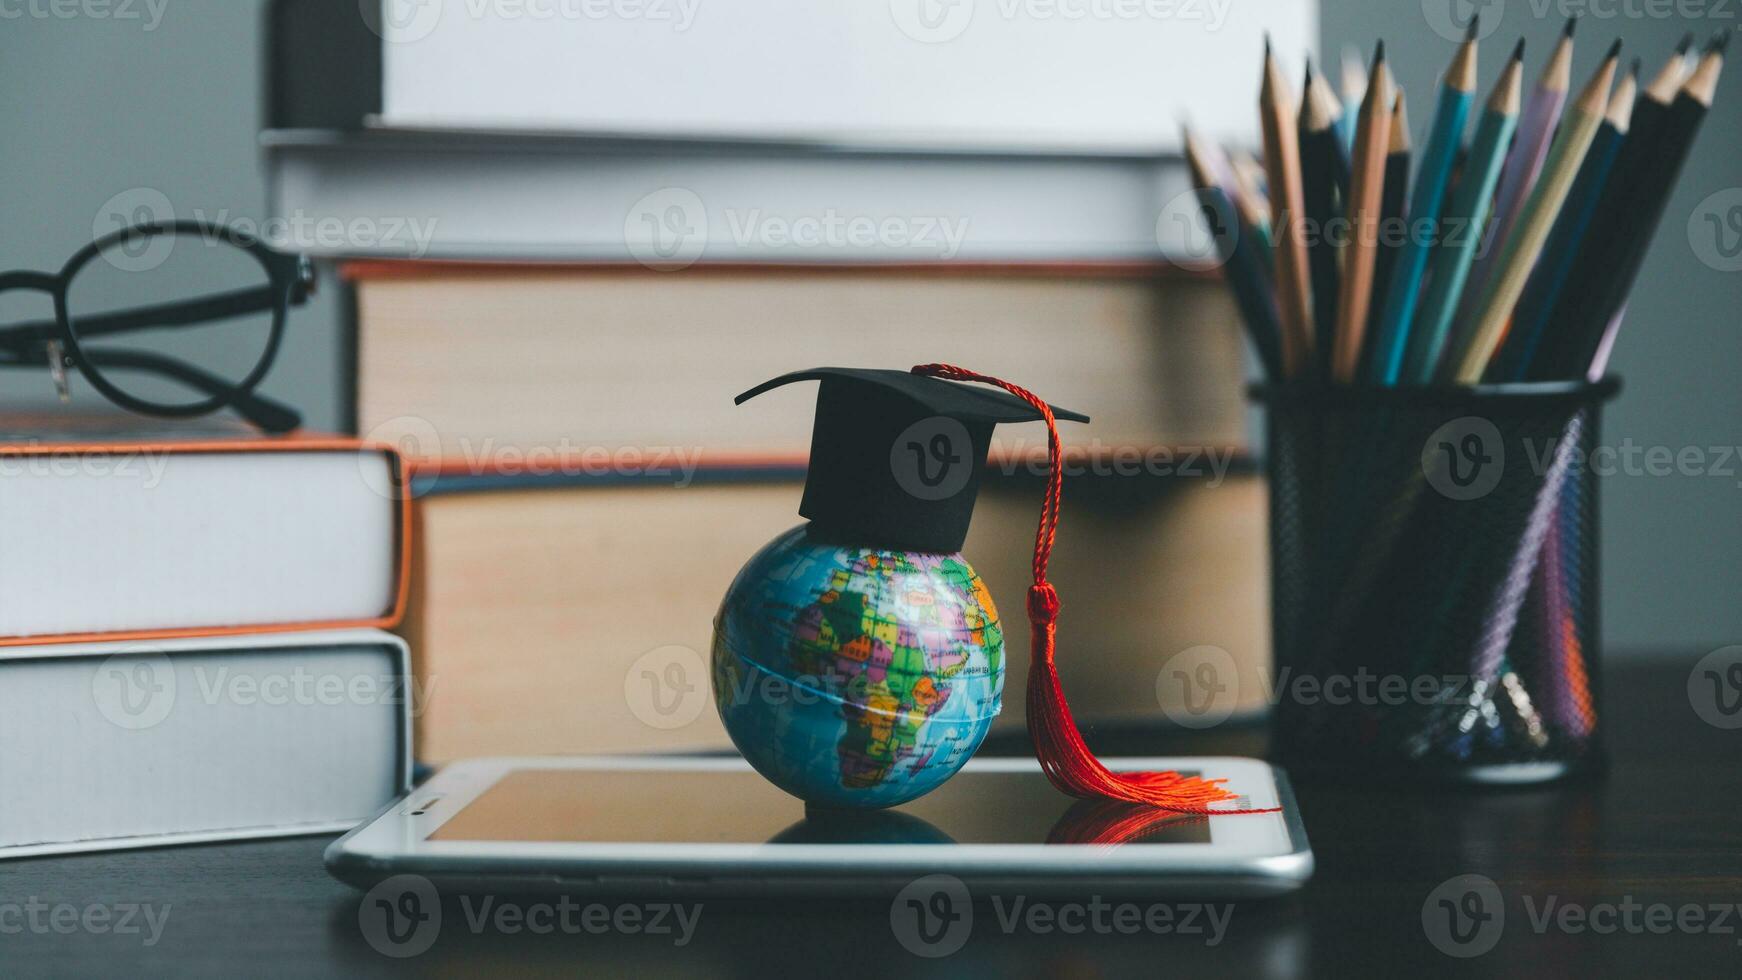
(896, 457)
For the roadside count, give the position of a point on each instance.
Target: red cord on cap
(1057, 743)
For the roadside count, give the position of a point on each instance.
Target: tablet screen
(740, 807)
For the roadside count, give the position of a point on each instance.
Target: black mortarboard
(896, 458)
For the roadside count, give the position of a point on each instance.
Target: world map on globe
(856, 676)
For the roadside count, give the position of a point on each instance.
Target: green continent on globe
(853, 676)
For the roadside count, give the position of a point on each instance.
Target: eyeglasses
(175, 319)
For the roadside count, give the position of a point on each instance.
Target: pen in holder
(1434, 576)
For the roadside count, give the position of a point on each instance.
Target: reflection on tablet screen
(742, 808)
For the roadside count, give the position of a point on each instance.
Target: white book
(137, 744)
(671, 204)
(1104, 75)
(131, 536)
(669, 132)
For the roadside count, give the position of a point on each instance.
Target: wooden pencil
(1237, 250)
(1610, 262)
(1288, 217)
(1530, 147)
(1661, 91)
(1249, 194)
(1392, 228)
(1668, 81)
(1519, 254)
(1465, 217)
(1648, 114)
(1321, 152)
(1366, 185)
(1656, 96)
(1248, 201)
(1551, 275)
(1403, 288)
(1649, 110)
(1332, 107)
(1353, 89)
(1690, 57)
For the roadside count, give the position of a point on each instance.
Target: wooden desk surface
(1617, 858)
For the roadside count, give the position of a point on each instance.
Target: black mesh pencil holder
(1434, 579)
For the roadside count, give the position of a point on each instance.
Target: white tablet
(712, 826)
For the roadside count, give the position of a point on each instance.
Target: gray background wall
(169, 101)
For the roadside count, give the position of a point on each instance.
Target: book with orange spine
(128, 529)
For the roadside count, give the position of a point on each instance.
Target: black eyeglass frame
(291, 280)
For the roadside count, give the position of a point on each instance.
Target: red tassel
(1057, 743)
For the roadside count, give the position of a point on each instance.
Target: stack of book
(586, 490)
(558, 297)
(191, 635)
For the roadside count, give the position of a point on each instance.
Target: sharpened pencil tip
(1572, 22)
(1614, 50)
(1633, 68)
(1379, 52)
(1518, 50)
(1685, 43)
(1267, 44)
(1475, 25)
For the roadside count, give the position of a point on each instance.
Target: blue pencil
(1465, 218)
(1403, 287)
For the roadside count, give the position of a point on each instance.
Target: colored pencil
(1366, 185)
(1392, 228)
(1652, 106)
(1566, 696)
(1523, 246)
(1615, 247)
(1250, 205)
(1690, 57)
(1241, 265)
(1501, 620)
(1663, 158)
(1648, 113)
(1249, 194)
(1354, 89)
(1333, 108)
(1551, 275)
(1606, 346)
(1397, 314)
(1321, 157)
(1465, 217)
(1530, 146)
(1288, 216)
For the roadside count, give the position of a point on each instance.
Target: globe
(856, 677)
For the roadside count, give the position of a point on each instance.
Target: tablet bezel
(1267, 852)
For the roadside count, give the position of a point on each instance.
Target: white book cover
(139, 537)
(1113, 75)
(136, 744)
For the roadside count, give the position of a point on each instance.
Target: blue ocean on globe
(856, 677)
